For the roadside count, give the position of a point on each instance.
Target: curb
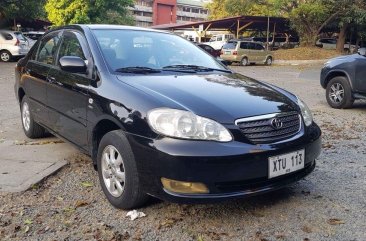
(299, 62)
(37, 178)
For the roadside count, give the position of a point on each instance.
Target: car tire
(117, 172)
(5, 56)
(339, 94)
(269, 61)
(31, 128)
(244, 61)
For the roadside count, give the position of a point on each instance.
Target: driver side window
(47, 49)
(71, 46)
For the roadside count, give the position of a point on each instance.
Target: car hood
(221, 97)
(343, 59)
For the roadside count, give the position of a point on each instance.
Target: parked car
(344, 79)
(245, 53)
(331, 43)
(34, 35)
(160, 117)
(213, 52)
(218, 40)
(12, 45)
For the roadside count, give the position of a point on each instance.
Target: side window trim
(59, 32)
(84, 46)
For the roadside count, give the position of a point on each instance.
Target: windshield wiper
(138, 70)
(196, 68)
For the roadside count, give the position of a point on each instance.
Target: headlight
(186, 125)
(306, 113)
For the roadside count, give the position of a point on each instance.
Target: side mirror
(224, 62)
(362, 51)
(73, 64)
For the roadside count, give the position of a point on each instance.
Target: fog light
(184, 187)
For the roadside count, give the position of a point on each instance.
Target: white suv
(12, 44)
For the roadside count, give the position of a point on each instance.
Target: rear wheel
(5, 56)
(269, 61)
(244, 61)
(339, 94)
(31, 128)
(117, 172)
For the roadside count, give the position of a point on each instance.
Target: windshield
(136, 48)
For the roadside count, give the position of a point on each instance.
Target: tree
(63, 12)
(216, 9)
(352, 15)
(12, 9)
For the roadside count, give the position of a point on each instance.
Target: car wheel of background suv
(269, 61)
(31, 128)
(5, 56)
(118, 172)
(339, 94)
(244, 61)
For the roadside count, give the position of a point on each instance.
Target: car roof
(9, 31)
(34, 32)
(107, 26)
(244, 41)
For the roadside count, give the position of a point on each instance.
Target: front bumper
(229, 170)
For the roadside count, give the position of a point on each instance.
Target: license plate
(286, 163)
(227, 52)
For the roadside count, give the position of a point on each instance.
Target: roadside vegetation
(305, 53)
(308, 17)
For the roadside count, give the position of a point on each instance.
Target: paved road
(330, 204)
(23, 162)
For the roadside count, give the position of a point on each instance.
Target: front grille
(263, 129)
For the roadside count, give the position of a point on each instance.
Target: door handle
(51, 79)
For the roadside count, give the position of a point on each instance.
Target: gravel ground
(329, 204)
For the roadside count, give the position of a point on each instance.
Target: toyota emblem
(276, 123)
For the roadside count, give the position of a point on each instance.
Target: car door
(360, 83)
(35, 77)
(251, 52)
(260, 53)
(67, 93)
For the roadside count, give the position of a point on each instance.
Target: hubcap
(269, 61)
(26, 116)
(244, 62)
(336, 93)
(113, 171)
(5, 57)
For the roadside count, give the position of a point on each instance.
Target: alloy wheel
(113, 171)
(5, 56)
(336, 93)
(26, 116)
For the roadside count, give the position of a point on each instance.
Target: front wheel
(118, 173)
(339, 94)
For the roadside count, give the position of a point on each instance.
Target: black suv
(160, 116)
(344, 79)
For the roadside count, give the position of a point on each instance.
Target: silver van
(12, 45)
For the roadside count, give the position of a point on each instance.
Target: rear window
(20, 36)
(230, 45)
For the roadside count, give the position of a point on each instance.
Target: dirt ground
(330, 204)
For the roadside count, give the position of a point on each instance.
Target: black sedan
(161, 117)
